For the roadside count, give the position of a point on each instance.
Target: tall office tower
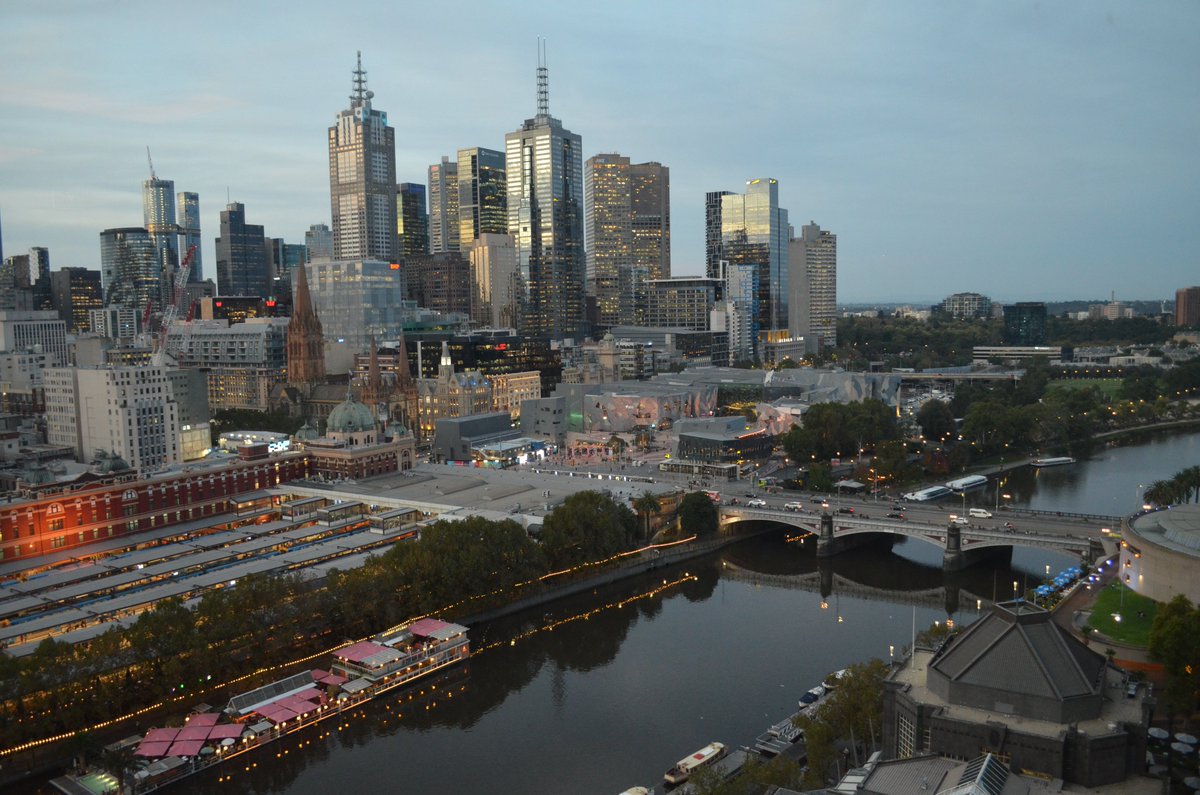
(754, 230)
(39, 275)
(543, 164)
(305, 337)
(241, 255)
(741, 311)
(443, 206)
(362, 178)
(318, 241)
(15, 283)
(812, 260)
(441, 282)
(650, 203)
(412, 219)
(188, 213)
(1025, 323)
(712, 233)
(494, 291)
(129, 269)
(158, 213)
(608, 237)
(481, 191)
(684, 302)
(76, 292)
(1187, 307)
(282, 259)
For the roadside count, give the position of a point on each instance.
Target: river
(629, 683)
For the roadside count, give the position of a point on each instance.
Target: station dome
(350, 416)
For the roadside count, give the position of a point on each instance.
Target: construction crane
(151, 162)
(171, 313)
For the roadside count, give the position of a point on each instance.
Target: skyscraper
(318, 241)
(241, 255)
(650, 204)
(812, 259)
(443, 206)
(712, 233)
(158, 211)
(129, 269)
(481, 192)
(754, 230)
(412, 219)
(543, 164)
(76, 292)
(362, 178)
(608, 236)
(493, 261)
(189, 229)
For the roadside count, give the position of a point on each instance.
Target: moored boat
(1052, 462)
(358, 673)
(689, 764)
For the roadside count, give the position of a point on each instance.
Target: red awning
(190, 732)
(204, 719)
(234, 730)
(186, 748)
(160, 735)
(152, 749)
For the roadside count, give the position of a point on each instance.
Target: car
(845, 510)
(818, 501)
(756, 503)
(793, 506)
(958, 519)
(1009, 526)
(748, 494)
(979, 513)
(1131, 690)
(895, 515)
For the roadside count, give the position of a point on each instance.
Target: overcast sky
(1024, 150)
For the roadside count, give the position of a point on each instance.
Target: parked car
(979, 513)
(756, 503)
(793, 506)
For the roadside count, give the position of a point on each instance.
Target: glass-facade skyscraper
(443, 206)
(412, 219)
(754, 231)
(362, 178)
(481, 195)
(158, 211)
(242, 255)
(543, 162)
(712, 233)
(129, 269)
(189, 230)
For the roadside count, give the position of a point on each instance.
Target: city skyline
(1008, 150)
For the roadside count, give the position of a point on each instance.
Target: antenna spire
(360, 93)
(543, 81)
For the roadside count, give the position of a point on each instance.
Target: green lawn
(1109, 386)
(1132, 629)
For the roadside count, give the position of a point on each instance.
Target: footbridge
(961, 544)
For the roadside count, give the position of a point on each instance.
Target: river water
(611, 700)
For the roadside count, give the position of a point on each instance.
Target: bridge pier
(826, 544)
(953, 558)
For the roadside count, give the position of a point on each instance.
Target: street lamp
(1014, 589)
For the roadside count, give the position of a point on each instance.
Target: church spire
(305, 337)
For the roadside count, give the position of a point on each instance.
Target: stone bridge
(961, 545)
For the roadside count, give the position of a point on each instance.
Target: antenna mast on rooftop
(543, 80)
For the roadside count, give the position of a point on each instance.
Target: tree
(697, 514)
(587, 526)
(936, 420)
(1175, 642)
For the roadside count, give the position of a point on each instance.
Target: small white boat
(686, 766)
(1051, 462)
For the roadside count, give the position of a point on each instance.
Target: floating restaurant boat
(967, 483)
(689, 764)
(1051, 462)
(358, 673)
